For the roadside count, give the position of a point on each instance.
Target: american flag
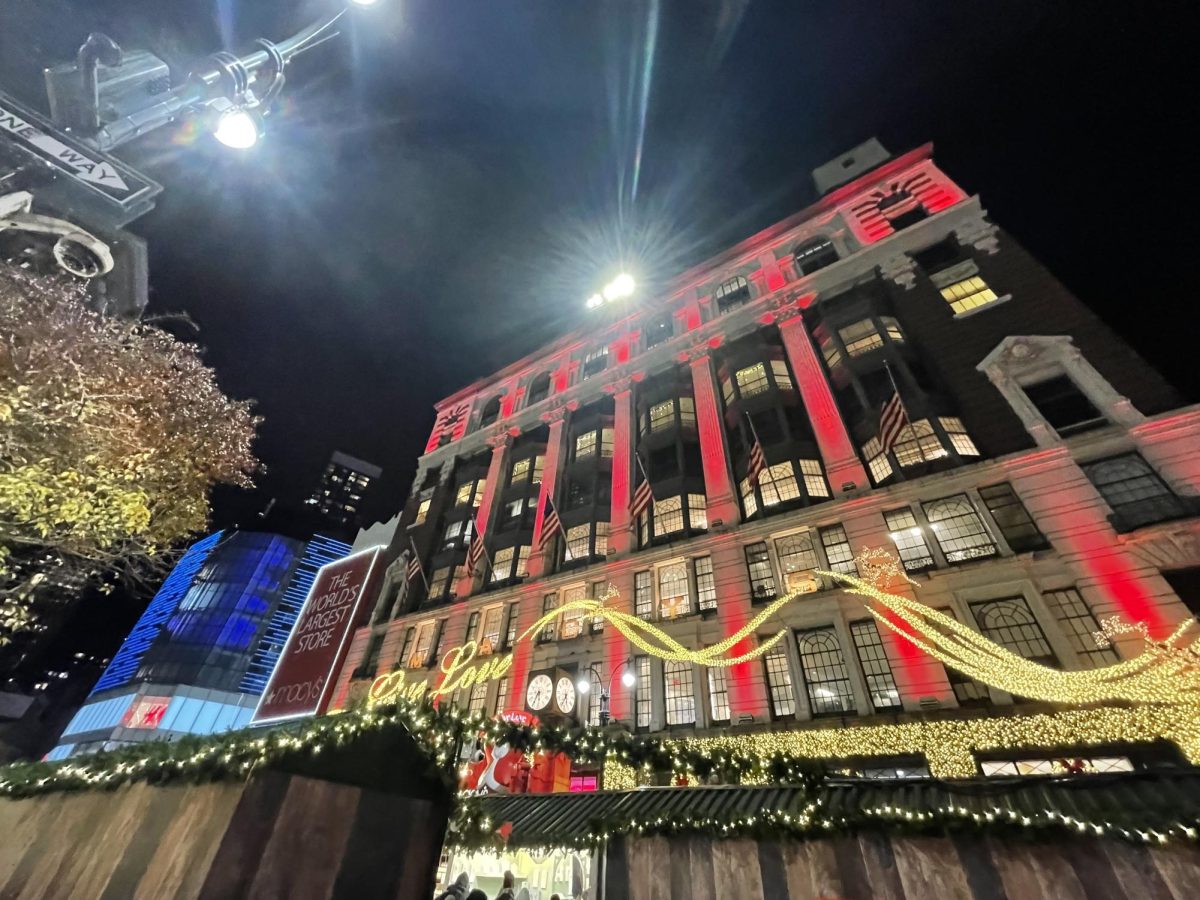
(758, 462)
(475, 553)
(414, 568)
(643, 496)
(550, 524)
(892, 421)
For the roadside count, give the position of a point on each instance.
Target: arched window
(491, 412)
(539, 389)
(815, 254)
(732, 293)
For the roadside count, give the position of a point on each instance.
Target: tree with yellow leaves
(112, 434)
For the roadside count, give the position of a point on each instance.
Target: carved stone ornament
(980, 234)
(901, 269)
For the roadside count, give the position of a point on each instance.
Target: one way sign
(98, 183)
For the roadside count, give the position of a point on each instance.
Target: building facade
(199, 657)
(1046, 479)
(343, 485)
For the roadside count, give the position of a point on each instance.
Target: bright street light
(620, 287)
(583, 685)
(364, 2)
(237, 128)
(628, 679)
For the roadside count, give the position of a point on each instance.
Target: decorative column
(556, 417)
(842, 465)
(620, 528)
(499, 444)
(718, 482)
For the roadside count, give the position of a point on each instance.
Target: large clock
(540, 692)
(564, 694)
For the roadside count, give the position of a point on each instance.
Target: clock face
(565, 694)
(541, 689)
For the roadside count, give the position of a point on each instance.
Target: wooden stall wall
(870, 866)
(277, 836)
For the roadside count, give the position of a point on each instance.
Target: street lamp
(584, 685)
(619, 288)
(237, 128)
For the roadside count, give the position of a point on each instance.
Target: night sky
(444, 184)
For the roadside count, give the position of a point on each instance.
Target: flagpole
(753, 430)
(482, 542)
(417, 557)
(633, 494)
(895, 390)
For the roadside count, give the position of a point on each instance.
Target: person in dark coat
(508, 889)
(458, 890)
(477, 894)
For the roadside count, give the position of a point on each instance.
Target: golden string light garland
(1165, 673)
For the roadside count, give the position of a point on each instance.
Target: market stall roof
(1136, 801)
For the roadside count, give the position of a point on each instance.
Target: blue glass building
(201, 654)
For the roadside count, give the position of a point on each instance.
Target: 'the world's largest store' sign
(302, 683)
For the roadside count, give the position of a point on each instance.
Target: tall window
(673, 590)
(550, 629)
(825, 675)
(960, 441)
(881, 685)
(441, 580)
(406, 648)
(958, 529)
(1010, 623)
(861, 337)
(718, 693)
(968, 294)
(478, 698)
(814, 255)
(706, 584)
(1134, 491)
(594, 699)
(1063, 405)
(777, 484)
(571, 621)
(752, 380)
(510, 629)
(539, 389)
(838, 551)
(681, 697)
(424, 646)
(642, 695)
(595, 362)
(470, 492)
(909, 539)
(662, 415)
(813, 475)
(489, 637)
(579, 542)
(585, 445)
(732, 293)
(422, 511)
(1077, 622)
(1012, 518)
(779, 682)
(501, 696)
(509, 562)
(797, 559)
(762, 579)
(643, 595)
(668, 516)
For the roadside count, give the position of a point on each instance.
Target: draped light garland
(1164, 673)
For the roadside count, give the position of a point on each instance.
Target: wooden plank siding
(278, 835)
(875, 866)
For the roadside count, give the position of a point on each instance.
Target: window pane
(1012, 518)
(1011, 624)
(643, 595)
(706, 584)
(797, 559)
(815, 484)
(779, 683)
(673, 590)
(662, 415)
(606, 443)
(501, 696)
(959, 439)
(538, 462)
(585, 445)
(861, 337)
(595, 673)
(825, 675)
(762, 579)
(918, 443)
(579, 541)
(970, 293)
(751, 380)
(668, 516)
(502, 563)
(718, 694)
(1063, 405)
(681, 698)
(698, 511)
(550, 629)
(520, 470)
(732, 293)
(1134, 491)
(909, 539)
(687, 411)
(749, 500)
(422, 512)
(892, 327)
(881, 685)
(838, 551)
(958, 529)
(831, 351)
(1080, 626)
(571, 621)
(642, 697)
(783, 378)
(778, 483)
